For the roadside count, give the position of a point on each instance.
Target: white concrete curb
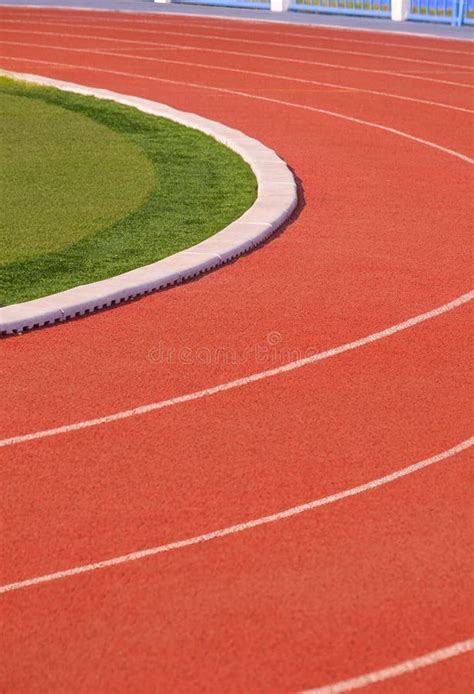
(276, 200)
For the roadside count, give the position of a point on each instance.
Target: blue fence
(370, 8)
(252, 4)
(467, 12)
(448, 11)
(434, 10)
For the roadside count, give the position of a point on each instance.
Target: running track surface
(381, 235)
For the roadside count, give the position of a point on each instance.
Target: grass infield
(91, 188)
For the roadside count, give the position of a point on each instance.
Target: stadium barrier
(455, 12)
(367, 8)
(253, 4)
(467, 12)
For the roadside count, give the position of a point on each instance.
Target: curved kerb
(276, 200)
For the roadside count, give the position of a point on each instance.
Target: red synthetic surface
(381, 235)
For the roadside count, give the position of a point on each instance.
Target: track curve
(380, 235)
(276, 199)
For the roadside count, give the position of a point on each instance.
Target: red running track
(381, 235)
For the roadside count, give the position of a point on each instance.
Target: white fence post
(279, 5)
(400, 9)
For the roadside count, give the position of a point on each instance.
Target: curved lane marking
(340, 87)
(276, 199)
(240, 527)
(248, 95)
(239, 382)
(347, 685)
(402, 668)
(253, 20)
(239, 40)
(90, 22)
(155, 45)
(459, 301)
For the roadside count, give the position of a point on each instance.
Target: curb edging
(276, 200)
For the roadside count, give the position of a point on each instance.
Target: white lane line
(278, 370)
(232, 241)
(240, 527)
(342, 87)
(91, 22)
(396, 670)
(277, 44)
(409, 74)
(253, 20)
(248, 95)
(152, 45)
(239, 382)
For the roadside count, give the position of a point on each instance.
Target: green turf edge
(202, 187)
(52, 202)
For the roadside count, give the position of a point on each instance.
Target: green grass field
(90, 188)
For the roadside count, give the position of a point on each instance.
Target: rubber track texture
(380, 235)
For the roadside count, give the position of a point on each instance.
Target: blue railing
(371, 8)
(448, 11)
(253, 4)
(434, 11)
(467, 12)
